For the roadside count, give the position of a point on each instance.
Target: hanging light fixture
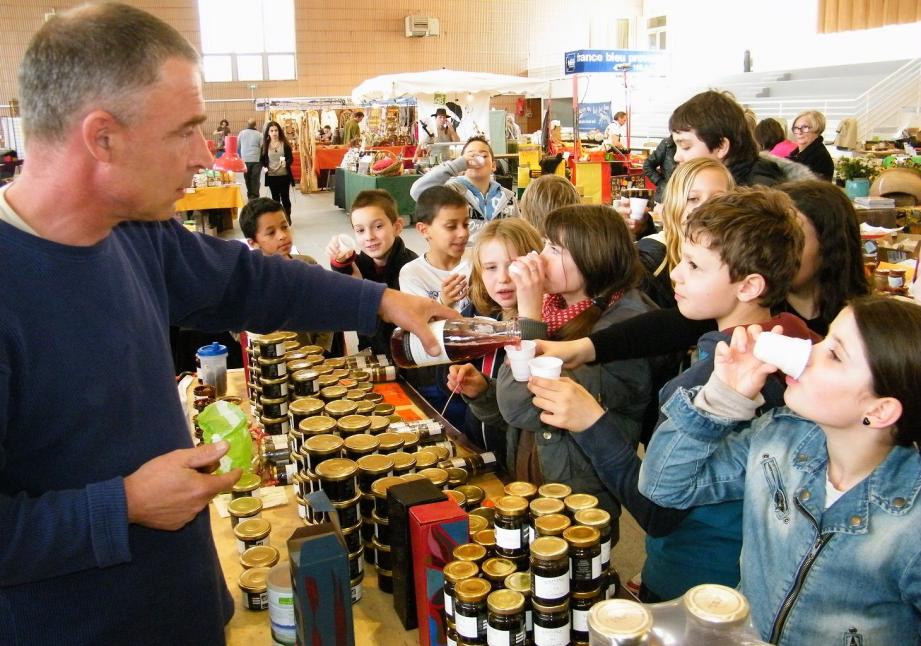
(230, 160)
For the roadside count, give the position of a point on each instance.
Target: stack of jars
(533, 572)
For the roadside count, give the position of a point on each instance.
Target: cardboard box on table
(435, 530)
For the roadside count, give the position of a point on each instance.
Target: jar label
(451, 640)
(281, 613)
(606, 552)
(596, 567)
(550, 587)
(496, 637)
(290, 471)
(509, 539)
(580, 620)
(417, 351)
(449, 605)
(472, 627)
(528, 619)
(551, 636)
(584, 569)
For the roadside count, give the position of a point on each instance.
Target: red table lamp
(230, 160)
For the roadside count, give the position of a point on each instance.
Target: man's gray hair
(95, 55)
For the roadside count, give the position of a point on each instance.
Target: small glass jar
(276, 425)
(372, 467)
(505, 623)
(456, 477)
(313, 351)
(511, 526)
(618, 621)
(551, 624)
(881, 280)
(352, 537)
(352, 424)
(554, 490)
(403, 463)
(308, 482)
(489, 513)
(470, 610)
(382, 554)
(325, 379)
(269, 345)
(410, 440)
(438, 477)
(425, 459)
(320, 448)
(332, 393)
(336, 362)
(316, 425)
(364, 408)
(520, 488)
(474, 495)
(304, 407)
(356, 564)
(600, 520)
(296, 441)
(580, 604)
(549, 570)
(273, 368)
(578, 501)
(379, 489)
(274, 388)
(295, 361)
(358, 446)
(521, 582)
(304, 382)
(247, 485)
(339, 479)
(455, 572)
(384, 410)
(584, 558)
(254, 589)
(476, 524)
(384, 579)
(486, 538)
(348, 512)
(552, 525)
(390, 442)
(381, 528)
(496, 569)
(352, 393)
(259, 556)
(274, 407)
(469, 552)
(243, 508)
(379, 424)
(252, 532)
(339, 408)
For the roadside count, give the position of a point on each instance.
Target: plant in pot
(857, 173)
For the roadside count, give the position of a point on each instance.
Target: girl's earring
(866, 421)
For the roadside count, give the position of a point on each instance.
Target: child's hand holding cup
(546, 367)
(518, 358)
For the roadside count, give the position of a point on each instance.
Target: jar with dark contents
(320, 448)
(456, 477)
(273, 368)
(881, 280)
(348, 512)
(382, 556)
(454, 572)
(523, 489)
(274, 407)
(438, 477)
(364, 408)
(352, 537)
(549, 570)
(379, 424)
(381, 528)
(495, 570)
(611, 583)
(425, 459)
(552, 525)
(296, 441)
(353, 424)
(271, 346)
(339, 408)
(384, 579)
(600, 520)
(521, 582)
(339, 479)
(505, 625)
(259, 556)
(486, 538)
(378, 400)
(254, 590)
(554, 490)
(475, 464)
(243, 508)
(580, 604)
(372, 467)
(390, 442)
(584, 558)
(332, 393)
(551, 624)
(304, 383)
(356, 564)
(274, 388)
(470, 610)
(358, 446)
(578, 501)
(474, 495)
(403, 463)
(511, 526)
(488, 513)
(379, 489)
(476, 524)
(324, 381)
(247, 485)
(276, 425)
(469, 552)
(315, 424)
(252, 532)
(308, 482)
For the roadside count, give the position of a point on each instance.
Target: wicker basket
(386, 164)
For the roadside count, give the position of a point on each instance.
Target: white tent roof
(391, 86)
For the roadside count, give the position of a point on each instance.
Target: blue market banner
(586, 61)
(594, 116)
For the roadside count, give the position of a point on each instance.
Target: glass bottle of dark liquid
(460, 340)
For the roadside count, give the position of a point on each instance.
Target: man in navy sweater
(103, 501)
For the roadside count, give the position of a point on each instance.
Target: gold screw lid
(339, 407)
(498, 568)
(438, 476)
(271, 361)
(313, 350)
(486, 538)
(360, 375)
(425, 459)
(268, 421)
(521, 488)
(380, 547)
(339, 373)
(597, 518)
(379, 423)
(477, 524)
(505, 602)
(591, 594)
(325, 380)
(552, 524)
(364, 408)
(402, 460)
(288, 335)
(360, 442)
(295, 362)
(316, 425)
(469, 552)
(551, 610)
(336, 362)
(305, 406)
(393, 417)
(366, 387)
(578, 501)
(259, 556)
(412, 477)
(254, 580)
(316, 362)
(554, 490)
(351, 394)
(247, 482)
(441, 452)
(519, 582)
(270, 401)
(380, 486)
(331, 393)
(323, 371)
(352, 423)
(486, 512)
(391, 441)
(512, 506)
(337, 469)
(458, 497)
(323, 444)
(410, 438)
(581, 536)
(472, 590)
(270, 339)
(716, 604)
(473, 493)
(456, 476)
(302, 372)
(376, 463)
(252, 528)
(296, 355)
(620, 619)
(272, 382)
(382, 409)
(246, 506)
(549, 548)
(459, 570)
(546, 506)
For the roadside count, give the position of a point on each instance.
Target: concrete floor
(315, 220)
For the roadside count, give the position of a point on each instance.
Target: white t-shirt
(8, 215)
(422, 279)
(614, 129)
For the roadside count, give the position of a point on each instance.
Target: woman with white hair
(811, 152)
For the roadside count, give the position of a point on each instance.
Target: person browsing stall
(92, 258)
(810, 149)
(277, 158)
(249, 147)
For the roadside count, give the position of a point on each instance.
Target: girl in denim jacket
(832, 547)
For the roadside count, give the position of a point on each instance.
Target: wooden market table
(375, 620)
(228, 197)
(398, 187)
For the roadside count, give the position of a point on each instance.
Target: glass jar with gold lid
(339, 408)
(457, 477)
(352, 394)
(469, 552)
(578, 501)
(247, 485)
(551, 525)
(390, 442)
(486, 538)
(316, 425)
(385, 410)
(495, 570)
(372, 467)
(505, 623)
(332, 393)
(600, 520)
(319, 448)
(439, 477)
(619, 621)
(584, 557)
(403, 463)
(253, 584)
(259, 556)
(304, 382)
(243, 508)
(364, 408)
(474, 494)
(470, 609)
(410, 440)
(252, 532)
(359, 445)
(554, 490)
(549, 570)
(458, 497)
(476, 524)
(379, 489)
(455, 572)
(379, 424)
(325, 380)
(511, 526)
(339, 479)
(303, 408)
(351, 424)
(520, 488)
(425, 459)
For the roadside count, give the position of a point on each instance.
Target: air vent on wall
(421, 26)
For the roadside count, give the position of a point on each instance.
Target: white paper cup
(546, 367)
(790, 355)
(638, 207)
(519, 357)
(347, 242)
